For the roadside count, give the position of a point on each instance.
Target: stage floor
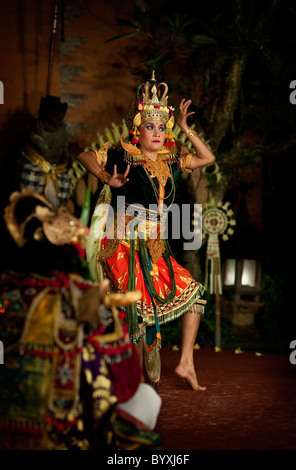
(249, 403)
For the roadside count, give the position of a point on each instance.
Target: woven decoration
(217, 222)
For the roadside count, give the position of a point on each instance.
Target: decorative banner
(216, 221)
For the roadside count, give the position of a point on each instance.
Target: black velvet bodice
(139, 189)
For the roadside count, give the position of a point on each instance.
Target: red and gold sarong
(188, 290)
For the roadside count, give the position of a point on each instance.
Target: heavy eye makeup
(150, 127)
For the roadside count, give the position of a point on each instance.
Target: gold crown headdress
(152, 104)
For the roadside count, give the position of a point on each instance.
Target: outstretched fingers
(184, 113)
(117, 179)
(123, 178)
(185, 108)
(126, 171)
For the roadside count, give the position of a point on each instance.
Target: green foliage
(200, 41)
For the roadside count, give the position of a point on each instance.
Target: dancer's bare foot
(190, 377)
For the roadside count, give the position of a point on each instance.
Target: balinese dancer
(139, 186)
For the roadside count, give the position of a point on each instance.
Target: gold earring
(135, 132)
(169, 134)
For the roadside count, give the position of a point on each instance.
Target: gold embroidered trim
(181, 304)
(156, 247)
(109, 250)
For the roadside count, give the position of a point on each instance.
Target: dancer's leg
(185, 368)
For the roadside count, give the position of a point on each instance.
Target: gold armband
(101, 157)
(189, 132)
(185, 160)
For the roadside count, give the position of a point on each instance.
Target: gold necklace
(158, 168)
(157, 191)
(161, 171)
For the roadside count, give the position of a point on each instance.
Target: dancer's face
(152, 136)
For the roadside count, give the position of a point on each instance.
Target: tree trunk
(229, 97)
(225, 111)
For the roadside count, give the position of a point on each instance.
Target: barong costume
(68, 362)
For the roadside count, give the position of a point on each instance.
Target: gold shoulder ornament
(101, 157)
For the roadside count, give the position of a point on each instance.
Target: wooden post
(1, 93)
(217, 304)
(1, 353)
(52, 45)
